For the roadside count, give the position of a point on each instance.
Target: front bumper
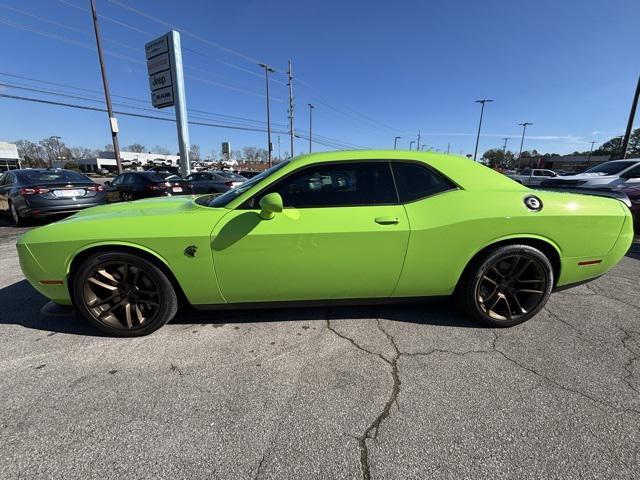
(36, 275)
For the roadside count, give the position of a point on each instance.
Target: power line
(185, 32)
(139, 100)
(122, 57)
(320, 140)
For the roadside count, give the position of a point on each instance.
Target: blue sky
(373, 69)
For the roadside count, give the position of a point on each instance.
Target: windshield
(224, 199)
(610, 168)
(53, 176)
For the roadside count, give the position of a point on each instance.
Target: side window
(3, 178)
(338, 185)
(190, 178)
(118, 180)
(417, 181)
(129, 179)
(633, 173)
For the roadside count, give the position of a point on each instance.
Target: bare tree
(136, 147)
(55, 150)
(194, 152)
(81, 152)
(161, 150)
(108, 148)
(213, 155)
(250, 154)
(31, 153)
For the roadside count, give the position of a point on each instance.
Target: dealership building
(107, 160)
(9, 158)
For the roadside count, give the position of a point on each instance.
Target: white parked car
(614, 174)
(533, 176)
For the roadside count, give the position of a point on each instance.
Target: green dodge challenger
(327, 228)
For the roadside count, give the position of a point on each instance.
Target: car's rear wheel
(506, 286)
(15, 216)
(123, 294)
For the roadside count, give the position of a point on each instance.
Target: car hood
(157, 206)
(149, 218)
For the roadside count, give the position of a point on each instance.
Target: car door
(113, 190)
(342, 234)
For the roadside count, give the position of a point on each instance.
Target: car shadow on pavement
(21, 305)
(634, 251)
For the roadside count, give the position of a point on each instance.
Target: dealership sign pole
(166, 81)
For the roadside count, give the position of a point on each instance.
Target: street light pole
(311, 107)
(524, 129)
(267, 70)
(590, 152)
(290, 85)
(395, 142)
(632, 114)
(113, 123)
(418, 144)
(483, 101)
(411, 144)
(504, 148)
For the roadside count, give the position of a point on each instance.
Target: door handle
(387, 220)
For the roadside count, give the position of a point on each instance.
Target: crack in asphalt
(634, 356)
(372, 430)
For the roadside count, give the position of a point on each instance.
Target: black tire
(508, 276)
(18, 221)
(114, 301)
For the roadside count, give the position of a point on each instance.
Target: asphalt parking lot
(372, 392)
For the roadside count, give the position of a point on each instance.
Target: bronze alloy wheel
(511, 287)
(121, 295)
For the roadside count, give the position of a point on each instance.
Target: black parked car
(134, 185)
(214, 181)
(39, 192)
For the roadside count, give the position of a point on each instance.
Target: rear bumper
(577, 270)
(56, 210)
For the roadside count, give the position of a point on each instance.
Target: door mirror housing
(270, 204)
(107, 183)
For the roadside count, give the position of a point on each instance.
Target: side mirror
(270, 204)
(107, 184)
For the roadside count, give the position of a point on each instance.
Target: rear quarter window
(417, 181)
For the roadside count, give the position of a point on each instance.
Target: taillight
(33, 191)
(96, 188)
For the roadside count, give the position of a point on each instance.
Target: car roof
(461, 170)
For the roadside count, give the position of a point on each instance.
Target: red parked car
(633, 192)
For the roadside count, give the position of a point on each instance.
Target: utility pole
(311, 107)
(632, 114)
(279, 157)
(524, 129)
(504, 147)
(448, 147)
(418, 144)
(411, 144)
(483, 101)
(590, 151)
(267, 70)
(290, 85)
(58, 153)
(113, 122)
(395, 142)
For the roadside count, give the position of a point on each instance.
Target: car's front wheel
(507, 286)
(123, 294)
